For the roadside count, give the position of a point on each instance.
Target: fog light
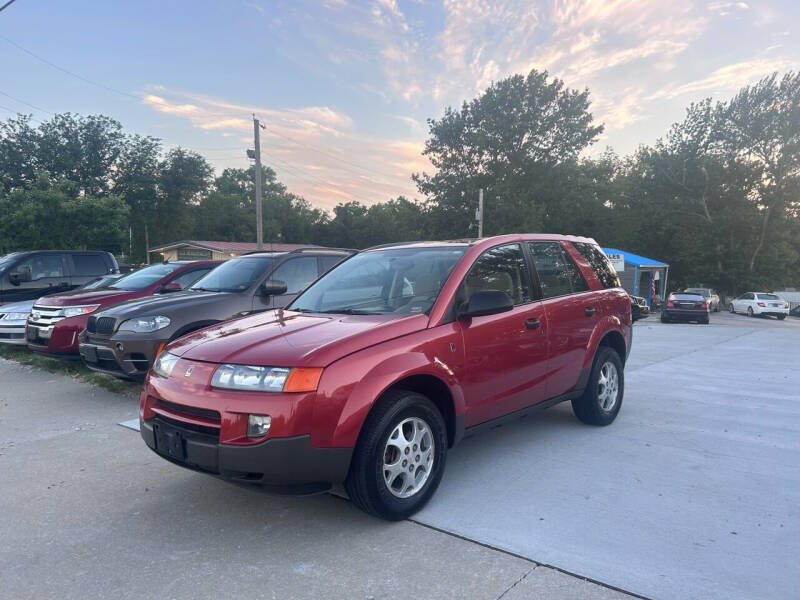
(258, 425)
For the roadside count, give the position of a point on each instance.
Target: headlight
(145, 324)
(74, 311)
(15, 316)
(266, 379)
(165, 363)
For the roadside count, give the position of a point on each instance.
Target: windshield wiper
(202, 289)
(347, 310)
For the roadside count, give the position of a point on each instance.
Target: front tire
(602, 399)
(732, 309)
(400, 456)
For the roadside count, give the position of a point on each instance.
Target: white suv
(760, 303)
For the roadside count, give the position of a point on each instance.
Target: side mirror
(489, 302)
(20, 275)
(173, 286)
(273, 287)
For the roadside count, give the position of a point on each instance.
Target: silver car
(12, 322)
(711, 296)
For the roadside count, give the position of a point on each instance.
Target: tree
(136, 181)
(184, 177)
(509, 141)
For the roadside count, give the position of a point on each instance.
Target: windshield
(768, 297)
(138, 280)
(396, 280)
(100, 282)
(235, 275)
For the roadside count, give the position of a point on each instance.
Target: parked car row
(368, 375)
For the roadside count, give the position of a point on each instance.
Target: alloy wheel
(608, 386)
(408, 457)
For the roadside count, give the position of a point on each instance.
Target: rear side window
(87, 265)
(558, 274)
(501, 269)
(298, 273)
(600, 264)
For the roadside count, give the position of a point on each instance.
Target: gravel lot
(693, 492)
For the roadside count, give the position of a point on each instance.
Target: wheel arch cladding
(614, 340)
(342, 404)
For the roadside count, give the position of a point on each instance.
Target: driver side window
(500, 269)
(298, 273)
(43, 266)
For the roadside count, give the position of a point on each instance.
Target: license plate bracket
(32, 333)
(170, 441)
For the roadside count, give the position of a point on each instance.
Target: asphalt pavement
(692, 493)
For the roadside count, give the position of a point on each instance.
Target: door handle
(532, 323)
(589, 311)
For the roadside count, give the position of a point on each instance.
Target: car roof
(487, 241)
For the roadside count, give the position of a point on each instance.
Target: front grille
(101, 325)
(190, 410)
(211, 432)
(44, 316)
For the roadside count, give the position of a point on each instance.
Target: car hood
(164, 305)
(17, 307)
(292, 339)
(103, 297)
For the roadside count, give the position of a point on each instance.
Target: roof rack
(323, 249)
(469, 241)
(301, 250)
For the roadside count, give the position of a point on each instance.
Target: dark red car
(384, 363)
(56, 321)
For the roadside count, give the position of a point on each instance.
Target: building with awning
(639, 274)
(206, 250)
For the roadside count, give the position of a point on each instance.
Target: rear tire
(602, 399)
(704, 321)
(750, 312)
(401, 431)
(781, 317)
(664, 319)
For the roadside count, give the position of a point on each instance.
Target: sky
(344, 87)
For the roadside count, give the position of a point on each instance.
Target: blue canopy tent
(639, 273)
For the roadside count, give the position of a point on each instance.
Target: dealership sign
(617, 261)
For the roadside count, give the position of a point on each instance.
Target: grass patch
(74, 369)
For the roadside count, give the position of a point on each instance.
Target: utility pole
(479, 213)
(147, 243)
(257, 147)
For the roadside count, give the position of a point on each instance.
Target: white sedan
(760, 304)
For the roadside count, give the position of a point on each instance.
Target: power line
(16, 112)
(33, 106)
(67, 71)
(6, 5)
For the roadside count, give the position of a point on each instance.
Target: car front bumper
(288, 465)
(12, 332)
(121, 356)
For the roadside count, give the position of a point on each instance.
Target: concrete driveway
(693, 492)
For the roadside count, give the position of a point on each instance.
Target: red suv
(56, 321)
(383, 364)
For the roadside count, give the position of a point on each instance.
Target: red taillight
(704, 306)
(670, 305)
(786, 305)
(761, 304)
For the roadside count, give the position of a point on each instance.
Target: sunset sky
(344, 87)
